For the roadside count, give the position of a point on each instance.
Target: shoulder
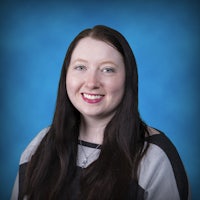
(32, 146)
(161, 171)
(162, 145)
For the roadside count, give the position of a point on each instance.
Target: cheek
(71, 82)
(116, 88)
(70, 85)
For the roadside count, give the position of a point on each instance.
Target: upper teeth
(95, 96)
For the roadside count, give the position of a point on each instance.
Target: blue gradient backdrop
(165, 37)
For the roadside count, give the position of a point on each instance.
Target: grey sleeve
(25, 157)
(156, 176)
(32, 146)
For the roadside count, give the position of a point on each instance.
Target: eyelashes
(80, 68)
(102, 69)
(109, 70)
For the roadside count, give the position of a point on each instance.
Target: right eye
(80, 67)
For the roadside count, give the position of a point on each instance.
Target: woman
(97, 146)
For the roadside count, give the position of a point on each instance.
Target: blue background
(165, 37)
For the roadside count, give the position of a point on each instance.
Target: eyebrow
(109, 62)
(103, 62)
(80, 60)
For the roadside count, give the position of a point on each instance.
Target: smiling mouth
(92, 98)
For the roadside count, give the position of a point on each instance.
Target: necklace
(85, 161)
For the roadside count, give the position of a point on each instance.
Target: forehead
(90, 49)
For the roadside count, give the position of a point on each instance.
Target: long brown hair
(53, 166)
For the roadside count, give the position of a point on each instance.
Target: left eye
(108, 70)
(80, 67)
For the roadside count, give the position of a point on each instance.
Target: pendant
(84, 163)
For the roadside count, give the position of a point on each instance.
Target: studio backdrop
(34, 37)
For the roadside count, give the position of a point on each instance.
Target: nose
(92, 80)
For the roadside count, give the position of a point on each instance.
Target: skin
(95, 85)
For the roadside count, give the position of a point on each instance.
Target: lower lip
(92, 100)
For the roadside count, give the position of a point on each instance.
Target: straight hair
(53, 166)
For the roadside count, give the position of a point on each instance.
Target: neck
(92, 130)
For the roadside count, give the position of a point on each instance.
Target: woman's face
(95, 78)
